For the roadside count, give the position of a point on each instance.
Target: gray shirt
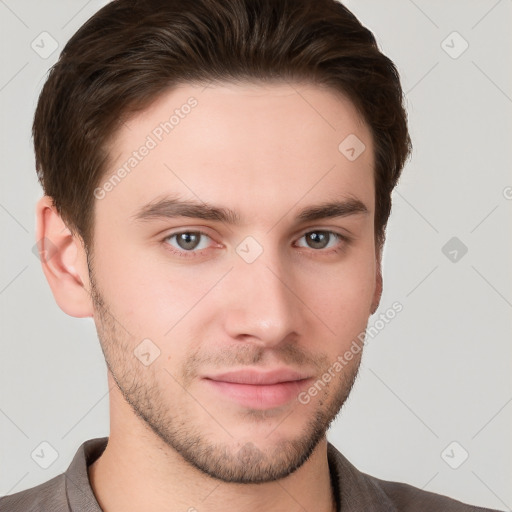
(355, 491)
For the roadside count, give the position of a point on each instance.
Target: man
(218, 179)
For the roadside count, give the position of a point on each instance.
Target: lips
(258, 377)
(257, 389)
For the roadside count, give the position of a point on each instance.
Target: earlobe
(63, 259)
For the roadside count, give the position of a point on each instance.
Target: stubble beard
(238, 461)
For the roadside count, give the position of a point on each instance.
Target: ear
(64, 261)
(377, 294)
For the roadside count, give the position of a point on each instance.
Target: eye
(187, 242)
(322, 239)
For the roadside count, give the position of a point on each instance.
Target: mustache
(249, 355)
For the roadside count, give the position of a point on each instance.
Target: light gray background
(438, 373)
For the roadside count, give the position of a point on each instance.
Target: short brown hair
(131, 51)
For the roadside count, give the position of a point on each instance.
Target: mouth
(257, 389)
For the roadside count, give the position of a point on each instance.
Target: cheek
(142, 298)
(344, 300)
(153, 299)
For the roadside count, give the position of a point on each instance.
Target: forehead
(252, 145)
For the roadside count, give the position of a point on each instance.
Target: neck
(138, 471)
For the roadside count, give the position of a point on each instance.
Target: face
(234, 263)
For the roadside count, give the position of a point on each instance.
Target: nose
(262, 307)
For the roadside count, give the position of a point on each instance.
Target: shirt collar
(355, 490)
(79, 492)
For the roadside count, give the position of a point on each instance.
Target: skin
(265, 151)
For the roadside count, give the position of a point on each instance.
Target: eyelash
(197, 253)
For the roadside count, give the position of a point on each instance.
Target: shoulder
(359, 491)
(45, 497)
(406, 497)
(65, 492)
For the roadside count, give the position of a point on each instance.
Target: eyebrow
(169, 207)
